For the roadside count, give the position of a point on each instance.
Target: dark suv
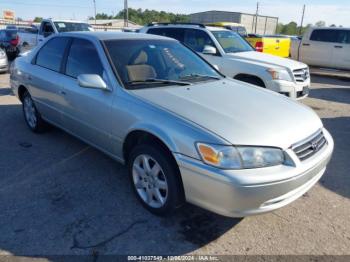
(9, 42)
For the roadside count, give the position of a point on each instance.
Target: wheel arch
(243, 76)
(141, 136)
(21, 90)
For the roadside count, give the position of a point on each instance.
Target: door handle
(306, 44)
(338, 46)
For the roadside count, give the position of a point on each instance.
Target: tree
(38, 19)
(146, 16)
(320, 24)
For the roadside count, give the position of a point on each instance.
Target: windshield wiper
(158, 81)
(194, 76)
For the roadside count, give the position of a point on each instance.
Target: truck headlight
(239, 157)
(280, 74)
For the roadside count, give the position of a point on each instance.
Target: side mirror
(92, 81)
(209, 50)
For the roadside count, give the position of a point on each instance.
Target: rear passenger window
(83, 59)
(176, 33)
(325, 35)
(51, 54)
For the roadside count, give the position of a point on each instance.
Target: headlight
(239, 157)
(2, 53)
(279, 74)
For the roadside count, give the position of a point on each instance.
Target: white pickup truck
(324, 47)
(30, 38)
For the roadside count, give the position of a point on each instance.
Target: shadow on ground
(59, 196)
(337, 178)
(339, 91)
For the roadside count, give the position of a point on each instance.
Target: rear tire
(31, 114)
(155, 179)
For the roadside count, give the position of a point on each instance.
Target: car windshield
(72, 27)
(232, 42)
(150, 63)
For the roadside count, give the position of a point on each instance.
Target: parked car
(235, 58)
(3, 62)
(185, 131)
(49, 27)
(9, 41)
(12, 27)
(270, 44)
(324, 47)
(28, 36)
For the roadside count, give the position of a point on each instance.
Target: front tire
(31, 114)
(155, 179)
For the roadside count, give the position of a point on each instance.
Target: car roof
(210, 28)
(102, 36)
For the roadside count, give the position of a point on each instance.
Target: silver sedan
(186, 132)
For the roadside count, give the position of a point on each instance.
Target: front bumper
(239, 193)
(294, 90)
(3, 64)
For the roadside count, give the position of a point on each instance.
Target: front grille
(301, 75)
(310, 147)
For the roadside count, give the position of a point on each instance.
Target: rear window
(330, 36)
(51, 54)
(10, 34)
(176, 33)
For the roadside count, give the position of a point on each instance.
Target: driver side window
(197, 39)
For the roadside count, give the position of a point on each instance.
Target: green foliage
(291, 28)
(38, 19)
(143, 17)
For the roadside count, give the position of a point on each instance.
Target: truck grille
(309, 148)
(301, 75)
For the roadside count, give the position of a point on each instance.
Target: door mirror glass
(209, 50)
(92, 81)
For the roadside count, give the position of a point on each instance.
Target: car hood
(269, 60)
(240, 113)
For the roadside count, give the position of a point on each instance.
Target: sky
(332, 12)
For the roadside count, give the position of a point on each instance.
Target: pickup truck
(30, 38)
(323, 47)
(274, 45)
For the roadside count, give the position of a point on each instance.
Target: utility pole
(126, 13)
(302, 20)
(256, 16)
(95, 10)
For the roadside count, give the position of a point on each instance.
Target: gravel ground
(59, 196)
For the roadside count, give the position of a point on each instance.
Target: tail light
(259, 46)
(15, 41)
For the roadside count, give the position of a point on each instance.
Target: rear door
(87, 112)
(45, 79)
(341, 50)
(318, 50)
